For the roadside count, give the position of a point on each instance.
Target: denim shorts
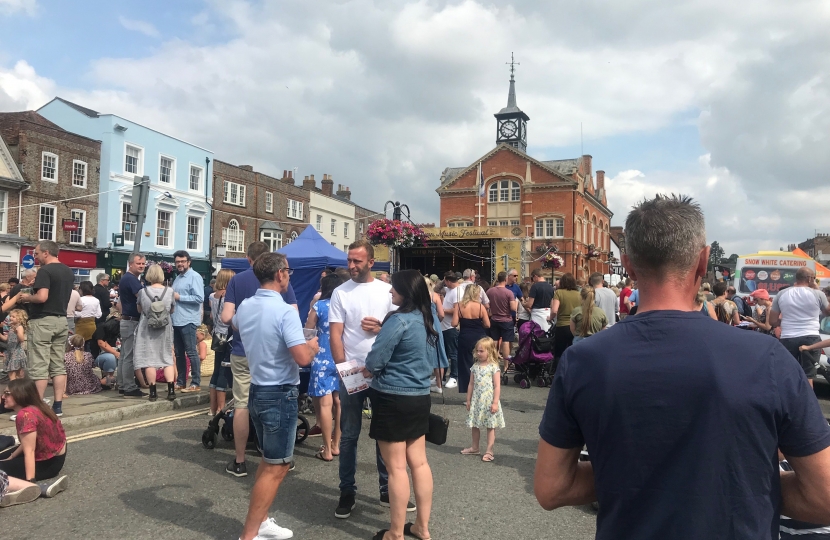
(274, 415)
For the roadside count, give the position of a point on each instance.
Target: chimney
(586, 165)
(600, 180)
(286, 178)
(308, 183)
(327, 185)
(343, 191)
(247, 168)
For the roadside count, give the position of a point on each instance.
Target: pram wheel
(226, 433)
(540, 381)
(518, 378)
(303, 428)
(548, 381)
(524, 384)
(209, 439)
(505, 378)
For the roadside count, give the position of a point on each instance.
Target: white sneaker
(47, 401)
(13, 417)
(451, 383)
(436, 390)
(270, 530)
(432, 381)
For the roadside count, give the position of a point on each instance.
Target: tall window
(269, 202)
(77, 236)
(49, 172)
(79, 173)
(504, 191)
(132, 161)
(333, 227)
(550, 228)
(164, 220)
(4, 205)
(166, 170)
(46, 222)
(233, 237)
(127, 226)
(345, 229)
(295, 209)
(195, 178)
(361, 228)
(319, 225)
(234, 194)
(272, 239)
(194, 228)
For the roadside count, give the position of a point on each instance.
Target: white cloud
(385, 95)
(142, 27)
(8, 7)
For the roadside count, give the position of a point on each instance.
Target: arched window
(293, 235)
(601, 236)
(504, 191)
(578, 229)
(594, 230)
(233, 237)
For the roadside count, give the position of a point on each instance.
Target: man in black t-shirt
(684, 423)
(102, 347)
(47, 322)
(539, 298)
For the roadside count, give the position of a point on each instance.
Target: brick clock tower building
(510, 204)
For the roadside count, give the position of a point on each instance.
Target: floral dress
(324, 379)
(480, 415)
(80, 379)
(15, 354)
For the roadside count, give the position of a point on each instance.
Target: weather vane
(512, 63)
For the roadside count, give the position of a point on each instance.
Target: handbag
(543, 343)
(438, 425)
(218, 340)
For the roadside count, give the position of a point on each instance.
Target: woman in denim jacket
(407, 349)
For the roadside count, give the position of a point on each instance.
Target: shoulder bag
(439, 425)
(219, 341)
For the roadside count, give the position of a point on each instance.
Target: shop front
(114, 263)
(84, 264)
(487, 250)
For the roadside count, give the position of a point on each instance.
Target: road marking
(135, 425)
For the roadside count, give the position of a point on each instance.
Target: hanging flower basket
(395, 234)
(593, 252)
(165, 266)
(552, 260)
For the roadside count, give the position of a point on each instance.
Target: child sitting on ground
(80, 379)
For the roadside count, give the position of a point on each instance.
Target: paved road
(158, 482)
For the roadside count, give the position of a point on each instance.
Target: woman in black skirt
(400, 365)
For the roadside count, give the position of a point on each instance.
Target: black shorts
(502, 330)
(808, 359)
(397, 418)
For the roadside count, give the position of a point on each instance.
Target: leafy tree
(715, 254)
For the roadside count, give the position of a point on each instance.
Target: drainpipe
(20, 221)
(210, 229)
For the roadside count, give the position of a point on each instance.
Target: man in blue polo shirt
(241, 287)
(275, 346)
(128, 289)
(684, 423)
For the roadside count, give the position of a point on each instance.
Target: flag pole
(480, 187)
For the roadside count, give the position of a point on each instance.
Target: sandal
(379, 535)
(470, 452)
(488, 457)
(319, 455)
(407, 531)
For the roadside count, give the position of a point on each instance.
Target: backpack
(743, 307)
(158, 317)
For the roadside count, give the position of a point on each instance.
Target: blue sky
(703, 97)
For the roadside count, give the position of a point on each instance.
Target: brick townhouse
(59, 200)
(249, 206)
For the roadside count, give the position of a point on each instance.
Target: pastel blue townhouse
(178, 209)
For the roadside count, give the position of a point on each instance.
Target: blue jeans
(451, 348)
(351, 420)
(184, 341)
(274, 415)
(222, 379)
(106, 361)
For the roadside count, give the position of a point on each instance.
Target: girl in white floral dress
(483, 394)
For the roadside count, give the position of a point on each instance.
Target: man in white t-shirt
(470, 279)
(605, 299)
(448, 330)
(797, 310)
(357, 310)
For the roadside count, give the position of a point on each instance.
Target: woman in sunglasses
(42, 449)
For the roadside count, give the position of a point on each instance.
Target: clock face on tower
(508, 129)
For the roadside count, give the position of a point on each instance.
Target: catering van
(770, 270)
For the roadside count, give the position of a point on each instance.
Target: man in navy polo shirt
(684, 423)
(242, 286)
(128, 288)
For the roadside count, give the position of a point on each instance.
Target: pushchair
(531, 363)
(226, 429)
